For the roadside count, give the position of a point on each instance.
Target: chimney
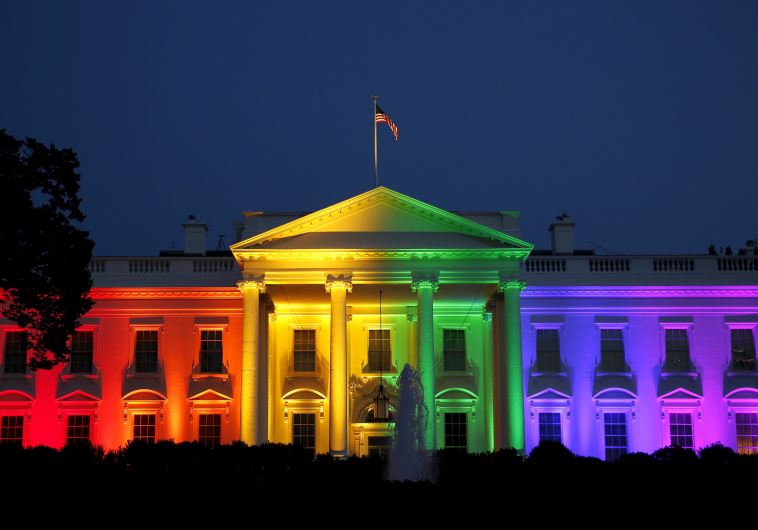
(562, 234)
(195, 234)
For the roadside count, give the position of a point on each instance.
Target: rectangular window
(144, 427)
(548, 351)
(304, 431)
(379, 446)
(612, 351)
(454, 351)
(81, 352)
(14, 361)
(550, 427)
(455, 430)
(747, 433)
(743, 349)
(379, 354)
(615, 435)
(677, 351)
(209, 434)
(211, 351)
(12, 430)
(146, 352)
(305, 350)
(680, 428)
(77, 429)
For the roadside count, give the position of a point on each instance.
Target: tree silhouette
(44, 263)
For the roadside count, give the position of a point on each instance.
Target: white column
(251, 289)
(338, 287)
(425, 285)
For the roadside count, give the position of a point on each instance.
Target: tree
(44, 261)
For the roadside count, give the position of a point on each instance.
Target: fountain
(408, 459)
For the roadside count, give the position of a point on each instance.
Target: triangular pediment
(382, 219)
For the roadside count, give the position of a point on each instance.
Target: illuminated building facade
(284, 341)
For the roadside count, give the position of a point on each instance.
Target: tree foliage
(44, 261)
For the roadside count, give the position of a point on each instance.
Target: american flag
(381, 117)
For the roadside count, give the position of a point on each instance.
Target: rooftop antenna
(221, 245)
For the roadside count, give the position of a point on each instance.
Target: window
(550, 427)
(210, 430)
(14, 361)
(455, 430)
(680, 429)
(305, 350)
(612, 351)
(146, 351)
(78, 428)
(677, 350)
(454, 350)
(379, 446)
(743, 349)
(12, 430)
(144, 427)
(615, 435)
(548, 351)
(747, 433)
(211, 351)
(304, 430)
(81, 352)
(379, 354)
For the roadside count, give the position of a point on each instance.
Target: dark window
(743, 349)
(550, 427)
(455, 430)
(379, 354)
(379, 446)
(454, 351)
(615, 435)
(680, 428)
(677, 351)
(612, 351)
(548, 351)
(146, 351)
(210, 430)
(304, 431)
(77, 429)
(81, 353)
(211, 351)
(14, 361)
(747, 433)
(12, 430)
(144, 427)
(305, 350)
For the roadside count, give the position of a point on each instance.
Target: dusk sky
(639, 118)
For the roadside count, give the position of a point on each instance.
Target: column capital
(342, 281)
(425, 279)
(255, 282)
(502, 285)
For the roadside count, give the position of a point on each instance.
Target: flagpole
(376, 148)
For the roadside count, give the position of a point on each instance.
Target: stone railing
(657, 265)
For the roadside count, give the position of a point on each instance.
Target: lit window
(455, 430)
(305, 350)
(211, 351)
(14, 361)
(747, 433)
(304, 430)
(550, 427)
(548, 351)
(612, 351)
(379, 446)
(78, 428)
(680, 429)
(12, 430)
(677, 350)
(454, 352)
(743, 349)
(210, 430)
(615, 435)
(146, 351)
(144, 427)
(81, 353)
(379, 354)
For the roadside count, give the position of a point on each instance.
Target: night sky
(638, 118)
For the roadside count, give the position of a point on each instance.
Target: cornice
(105, 293)
(388, 254)
(641, 292)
